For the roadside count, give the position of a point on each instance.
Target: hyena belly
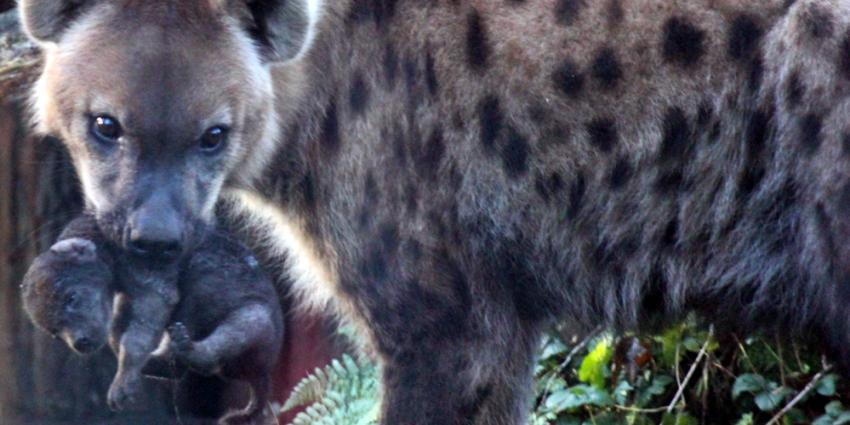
(467, 172)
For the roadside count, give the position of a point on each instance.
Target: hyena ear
(45, 20)
(284, 29)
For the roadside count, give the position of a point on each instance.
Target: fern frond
(343, 393)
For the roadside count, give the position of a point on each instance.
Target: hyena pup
(227, 322)
(451, 176)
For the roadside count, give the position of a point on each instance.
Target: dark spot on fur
(620, 174)
(330, 130)
(432, 156)
(845, 144)
(568, 79)
(683, 42)
(756, 134)
(549, 188)
(490, 116)
(810, 129)
(359, 95)
(615, 12)
(477, 50)
(373, 196)
(430, 74)
(567, 11)
(677, 135)
(795, 89)
(704, 114)
(715, 132)
(818, 21)
(670, 182)
(751, 178)
(469, 411)
(744, 37)
(399, 146)
(374, 267)
(411, 73)
(308, 191)
(577, 190)
(756, 74)
(390, 65)
(606, 68)
(756, 138)
(653, 301)
(844, 63)
(603, 134)
(671, 232)
(411, 198)
(388, 236)
(515, 154)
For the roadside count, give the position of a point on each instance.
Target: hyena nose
(155, 233)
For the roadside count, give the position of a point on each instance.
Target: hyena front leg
(452, 353)
(152, 300)
(460, 381)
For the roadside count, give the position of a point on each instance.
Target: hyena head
(159, 102)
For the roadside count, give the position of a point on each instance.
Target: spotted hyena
(453, 175)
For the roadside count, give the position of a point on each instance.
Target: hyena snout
(156, 229)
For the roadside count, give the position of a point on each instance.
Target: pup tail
(255, 412)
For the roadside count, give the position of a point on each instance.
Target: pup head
(67, 293)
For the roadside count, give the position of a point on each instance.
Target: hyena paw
(77, 249)
(194, 355)
(125, 391)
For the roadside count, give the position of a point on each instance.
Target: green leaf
(795, 416)
(748, 382)
(591, 370)
(578, 396)
(826, 385)
(553, 348)
(843, 418)
(678, 419)
(834, 408)
(769, 400)
(669, 340)
(747, 419)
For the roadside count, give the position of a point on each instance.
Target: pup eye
(106, 128)
(213, 139)
(70, 299)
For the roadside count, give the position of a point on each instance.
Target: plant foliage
(682, 376)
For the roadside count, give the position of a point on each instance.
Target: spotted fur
(451, 176)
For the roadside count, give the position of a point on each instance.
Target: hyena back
(453, 175)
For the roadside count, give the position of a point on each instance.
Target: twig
(810, 386)
(639, 409)
(701, 354)
(568, 359)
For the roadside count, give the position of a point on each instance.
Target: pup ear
(284, 29)
(45, 20)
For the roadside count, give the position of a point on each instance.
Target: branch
(809, 387)
(701, 354)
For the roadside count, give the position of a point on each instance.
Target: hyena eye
(213, 139)
(106, 128)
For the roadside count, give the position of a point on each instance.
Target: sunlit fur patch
(312, 275)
